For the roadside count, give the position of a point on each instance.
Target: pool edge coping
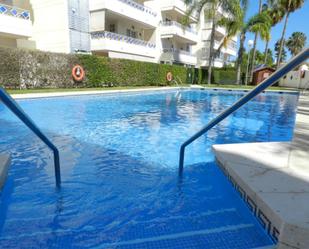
(98, 92)
(273, 222)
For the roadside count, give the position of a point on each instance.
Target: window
(131, 33)
(112, 28)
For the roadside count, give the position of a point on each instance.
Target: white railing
(177, 51)
(139, 7)
(232, 45)
(181, 5)
(14, 11)
(123, 38)
(174, 23)
(179, 55)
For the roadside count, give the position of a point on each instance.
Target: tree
(283, 52)
(288, 6)
(276, 15)
(254, 43)
(211, 8)
(257, 24)
(296, 42)
(268, 57)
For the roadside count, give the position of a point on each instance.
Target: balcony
(230, 49)
(15, 22)
(172, 29)
(178, 56)
(127, 8)
(177, 7)
(111, 42)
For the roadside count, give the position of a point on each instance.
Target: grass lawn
(53, 90)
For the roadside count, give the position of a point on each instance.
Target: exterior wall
(64, 26)
(17, 27)
(201, 50)
(261, 75)
(79, 25)
(133, 11)
(293, 79)
(51, 25)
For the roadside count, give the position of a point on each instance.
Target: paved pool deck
(90, 92)
(273, 179)
(96, 92)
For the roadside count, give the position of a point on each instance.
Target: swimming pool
(119, 163)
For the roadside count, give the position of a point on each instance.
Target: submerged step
(4, 167)
(273, 179)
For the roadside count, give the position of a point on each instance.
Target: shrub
(224, 76)
(118, 72)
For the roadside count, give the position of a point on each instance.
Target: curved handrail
(294, 62)
(17, 110)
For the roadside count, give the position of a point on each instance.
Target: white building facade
(140, 30)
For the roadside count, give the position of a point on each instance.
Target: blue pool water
(119, 159)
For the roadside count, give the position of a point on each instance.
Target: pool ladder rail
(294, 62)
(18, 111)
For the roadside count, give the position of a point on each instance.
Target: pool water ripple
(119, 159)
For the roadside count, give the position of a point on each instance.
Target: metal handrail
(294, 62)
(17, 110)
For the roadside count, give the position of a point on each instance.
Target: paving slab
(4, 167)
(273, 179)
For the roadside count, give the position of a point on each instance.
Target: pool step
(5, 162)
(205, 228)
(219, 237)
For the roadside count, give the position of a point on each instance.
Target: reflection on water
(119, 159)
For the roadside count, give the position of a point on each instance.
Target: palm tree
(276, 15)
(211, 8)
(259, 24)
(296, 42)
(268, 57)
(254, 44)
(283, 52)
(288, 6)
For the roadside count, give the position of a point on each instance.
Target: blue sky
(298, 21)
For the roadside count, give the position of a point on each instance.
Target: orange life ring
(78, 73)
(169, 76)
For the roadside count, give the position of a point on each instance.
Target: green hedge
(24, 69)
(219, 76)
(225, 76)
(36, 69)
(101, 71)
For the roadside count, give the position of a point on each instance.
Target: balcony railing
(14, 11)
(232, 45)
(139, 6)
(178, 55)
(174, 23)
(177, 51)
(123, 38)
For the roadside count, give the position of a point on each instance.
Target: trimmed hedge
(22, 69)
(225, 76)
(219, 76)
(101, 71)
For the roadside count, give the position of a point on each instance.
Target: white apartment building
(15, 24)
(48, 25)
(140, 30)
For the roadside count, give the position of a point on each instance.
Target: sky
(298, 21)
